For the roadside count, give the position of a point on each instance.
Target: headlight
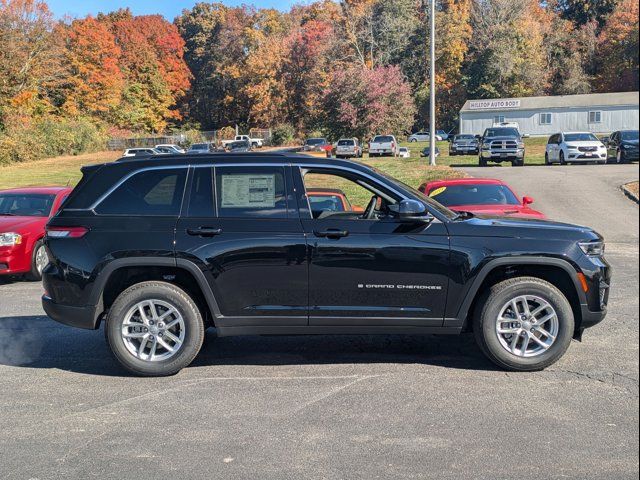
(10, 239)
(521, 145)
(572, 147)
(592, 249)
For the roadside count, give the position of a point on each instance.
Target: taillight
(66, 232)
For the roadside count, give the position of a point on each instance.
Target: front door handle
(204, 231)
(331, 233)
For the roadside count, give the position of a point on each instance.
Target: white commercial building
(596, 112)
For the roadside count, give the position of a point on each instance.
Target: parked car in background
(426, 151)
(622, 146)
(384, 145)
(141, 152)
(318, 144)
(238, 146)
(420, 136)
(331, 200)
(24, 213)
(424, 136)
(348, 148)
(170, 148)
(200, 148)
(441, 135)
(464, 144)
(573, 147)
(501, 144)
(404, 152)
(480, 196)
(253, 142)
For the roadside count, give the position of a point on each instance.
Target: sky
(169, 8)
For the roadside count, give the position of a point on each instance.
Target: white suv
(570, 147)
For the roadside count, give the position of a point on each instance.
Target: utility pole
(432, 86)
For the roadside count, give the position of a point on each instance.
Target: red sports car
(24, 213)
(482, 196)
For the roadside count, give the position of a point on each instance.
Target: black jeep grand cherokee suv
(159, 249)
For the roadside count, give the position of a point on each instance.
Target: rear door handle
(204, 231)
(331, 233)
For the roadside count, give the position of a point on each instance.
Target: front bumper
(79, 317)
(464, 150)
(14, 260)
(586, 156)
(502, 155)
(630, 154)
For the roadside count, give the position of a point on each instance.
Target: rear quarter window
(153, 192)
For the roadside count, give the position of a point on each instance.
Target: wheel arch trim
(190, 267)
(472, 292)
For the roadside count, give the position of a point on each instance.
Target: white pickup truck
(254, 142)
(384, 145)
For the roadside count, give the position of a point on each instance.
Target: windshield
(316, 141)
(383, 139)
(199, 146)
(501, 132)
(456, 195)
(629, 135)
(464, 137)
(580, 137)
(26, 204)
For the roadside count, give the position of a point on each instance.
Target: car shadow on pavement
(38, 342)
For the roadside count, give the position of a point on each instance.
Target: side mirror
(605, 141)
(527, 201)
(410, 211)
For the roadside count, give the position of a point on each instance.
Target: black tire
(182, 302)
(518, 162)
(620, 159)
(488, 310)
(35, 274)
(562, 160)
(482, 161)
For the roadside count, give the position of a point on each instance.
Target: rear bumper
(79, 317)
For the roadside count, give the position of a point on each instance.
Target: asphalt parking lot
(357, 407)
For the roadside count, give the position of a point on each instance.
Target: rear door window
(153, 192)
(257, 192)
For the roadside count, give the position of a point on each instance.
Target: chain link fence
(181, 138)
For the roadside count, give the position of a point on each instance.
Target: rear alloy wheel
(39, 260)
(524, 324)
(154, 329)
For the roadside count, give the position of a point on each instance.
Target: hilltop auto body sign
(493, 104)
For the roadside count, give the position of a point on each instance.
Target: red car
(331, 199)
(24, 213)
(482, 196)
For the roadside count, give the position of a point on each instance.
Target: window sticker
(437, 191)
(248, 191)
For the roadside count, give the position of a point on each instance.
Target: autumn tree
(94, 83)
(618, 46)
(30, 57)
(364, 102)
(581, 12)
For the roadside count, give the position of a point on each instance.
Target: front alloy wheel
(527, 326)
(523, 324)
